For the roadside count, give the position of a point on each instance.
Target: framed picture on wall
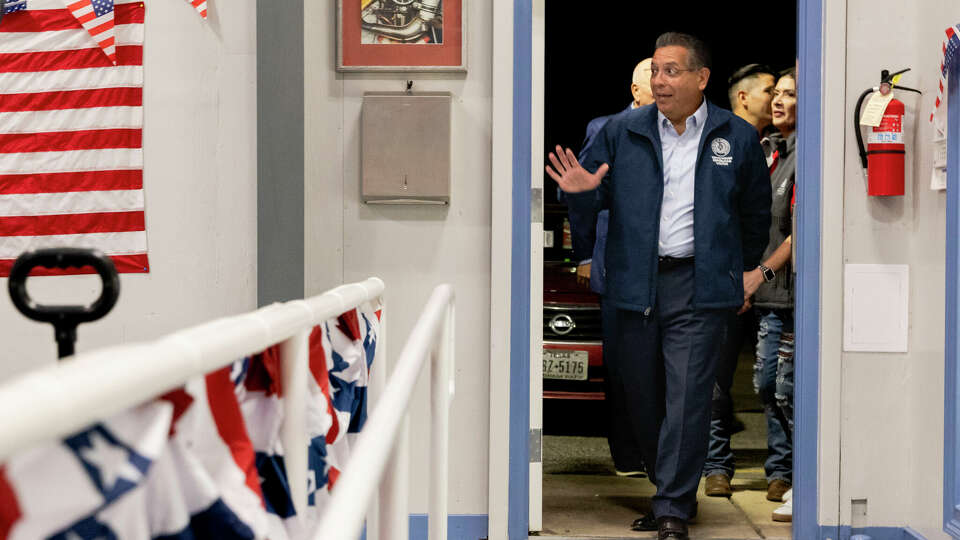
(401, 35)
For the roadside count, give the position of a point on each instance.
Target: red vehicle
(572, 336)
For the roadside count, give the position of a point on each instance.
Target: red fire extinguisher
(884, 156)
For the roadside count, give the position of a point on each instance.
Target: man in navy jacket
(674, 280)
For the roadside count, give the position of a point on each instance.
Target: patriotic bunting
(81, 486)
(341, 355)
(202, 461)
(200, 5)
(96, 16)
(948, 52)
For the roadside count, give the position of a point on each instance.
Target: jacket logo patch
(721, 151)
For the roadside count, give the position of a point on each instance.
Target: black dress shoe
(672, 528)
(644, 523)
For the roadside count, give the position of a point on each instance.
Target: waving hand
(568, 173)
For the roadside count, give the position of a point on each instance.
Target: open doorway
(589, 59)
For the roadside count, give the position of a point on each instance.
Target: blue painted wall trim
(951, 469)
(459, 527)
(518, 514)
(845, 532)
(809, 161)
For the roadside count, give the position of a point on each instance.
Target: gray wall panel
(280, 154)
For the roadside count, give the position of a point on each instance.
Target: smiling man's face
(680, 94)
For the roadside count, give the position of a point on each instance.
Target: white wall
(891, 405)
(412, 248)
(199, 145)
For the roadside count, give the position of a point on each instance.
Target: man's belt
(669, 263)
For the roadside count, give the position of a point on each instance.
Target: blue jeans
(773, 382)
(784, 392)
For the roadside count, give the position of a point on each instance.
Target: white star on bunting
(112, 462)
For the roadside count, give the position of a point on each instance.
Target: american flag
(948, 53)
(71, 122)
(201, 6)
(96, 16)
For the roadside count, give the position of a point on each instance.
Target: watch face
(768, 274)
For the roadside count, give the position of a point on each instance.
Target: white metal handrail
(372, 461)
(62, 398)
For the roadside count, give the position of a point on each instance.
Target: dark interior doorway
(590, 54)
(591, 51)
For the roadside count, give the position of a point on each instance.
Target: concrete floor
(583, 497)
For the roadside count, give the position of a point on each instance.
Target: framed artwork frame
(401, 35)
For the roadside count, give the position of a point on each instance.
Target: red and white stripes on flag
(201, 6)
(71, 123)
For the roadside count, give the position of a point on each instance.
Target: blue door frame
(951, 467)
(518, 514)
(809, 48)
(807, 364)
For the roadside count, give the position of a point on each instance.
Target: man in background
(624, 449)
(584, 236)
(750, 90)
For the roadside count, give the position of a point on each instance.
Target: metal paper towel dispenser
(405, 147)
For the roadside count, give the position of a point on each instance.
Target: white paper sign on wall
(876, 307)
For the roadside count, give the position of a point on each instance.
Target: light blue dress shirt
(679, 166)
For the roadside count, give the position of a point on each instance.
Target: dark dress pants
(624, 448)
(668, 362)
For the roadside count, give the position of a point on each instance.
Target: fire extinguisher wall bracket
(64, 318)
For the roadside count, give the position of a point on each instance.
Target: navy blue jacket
(731, 207)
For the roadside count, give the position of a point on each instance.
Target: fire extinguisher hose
(856, 126)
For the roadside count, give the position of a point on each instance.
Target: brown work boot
(776, 489)
(717, 485)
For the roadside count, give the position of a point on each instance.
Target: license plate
(566, 365)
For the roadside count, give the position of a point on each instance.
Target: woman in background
(773, 285)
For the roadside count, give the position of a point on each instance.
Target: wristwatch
(768, 274)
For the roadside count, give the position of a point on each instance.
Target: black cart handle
(64, 318)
